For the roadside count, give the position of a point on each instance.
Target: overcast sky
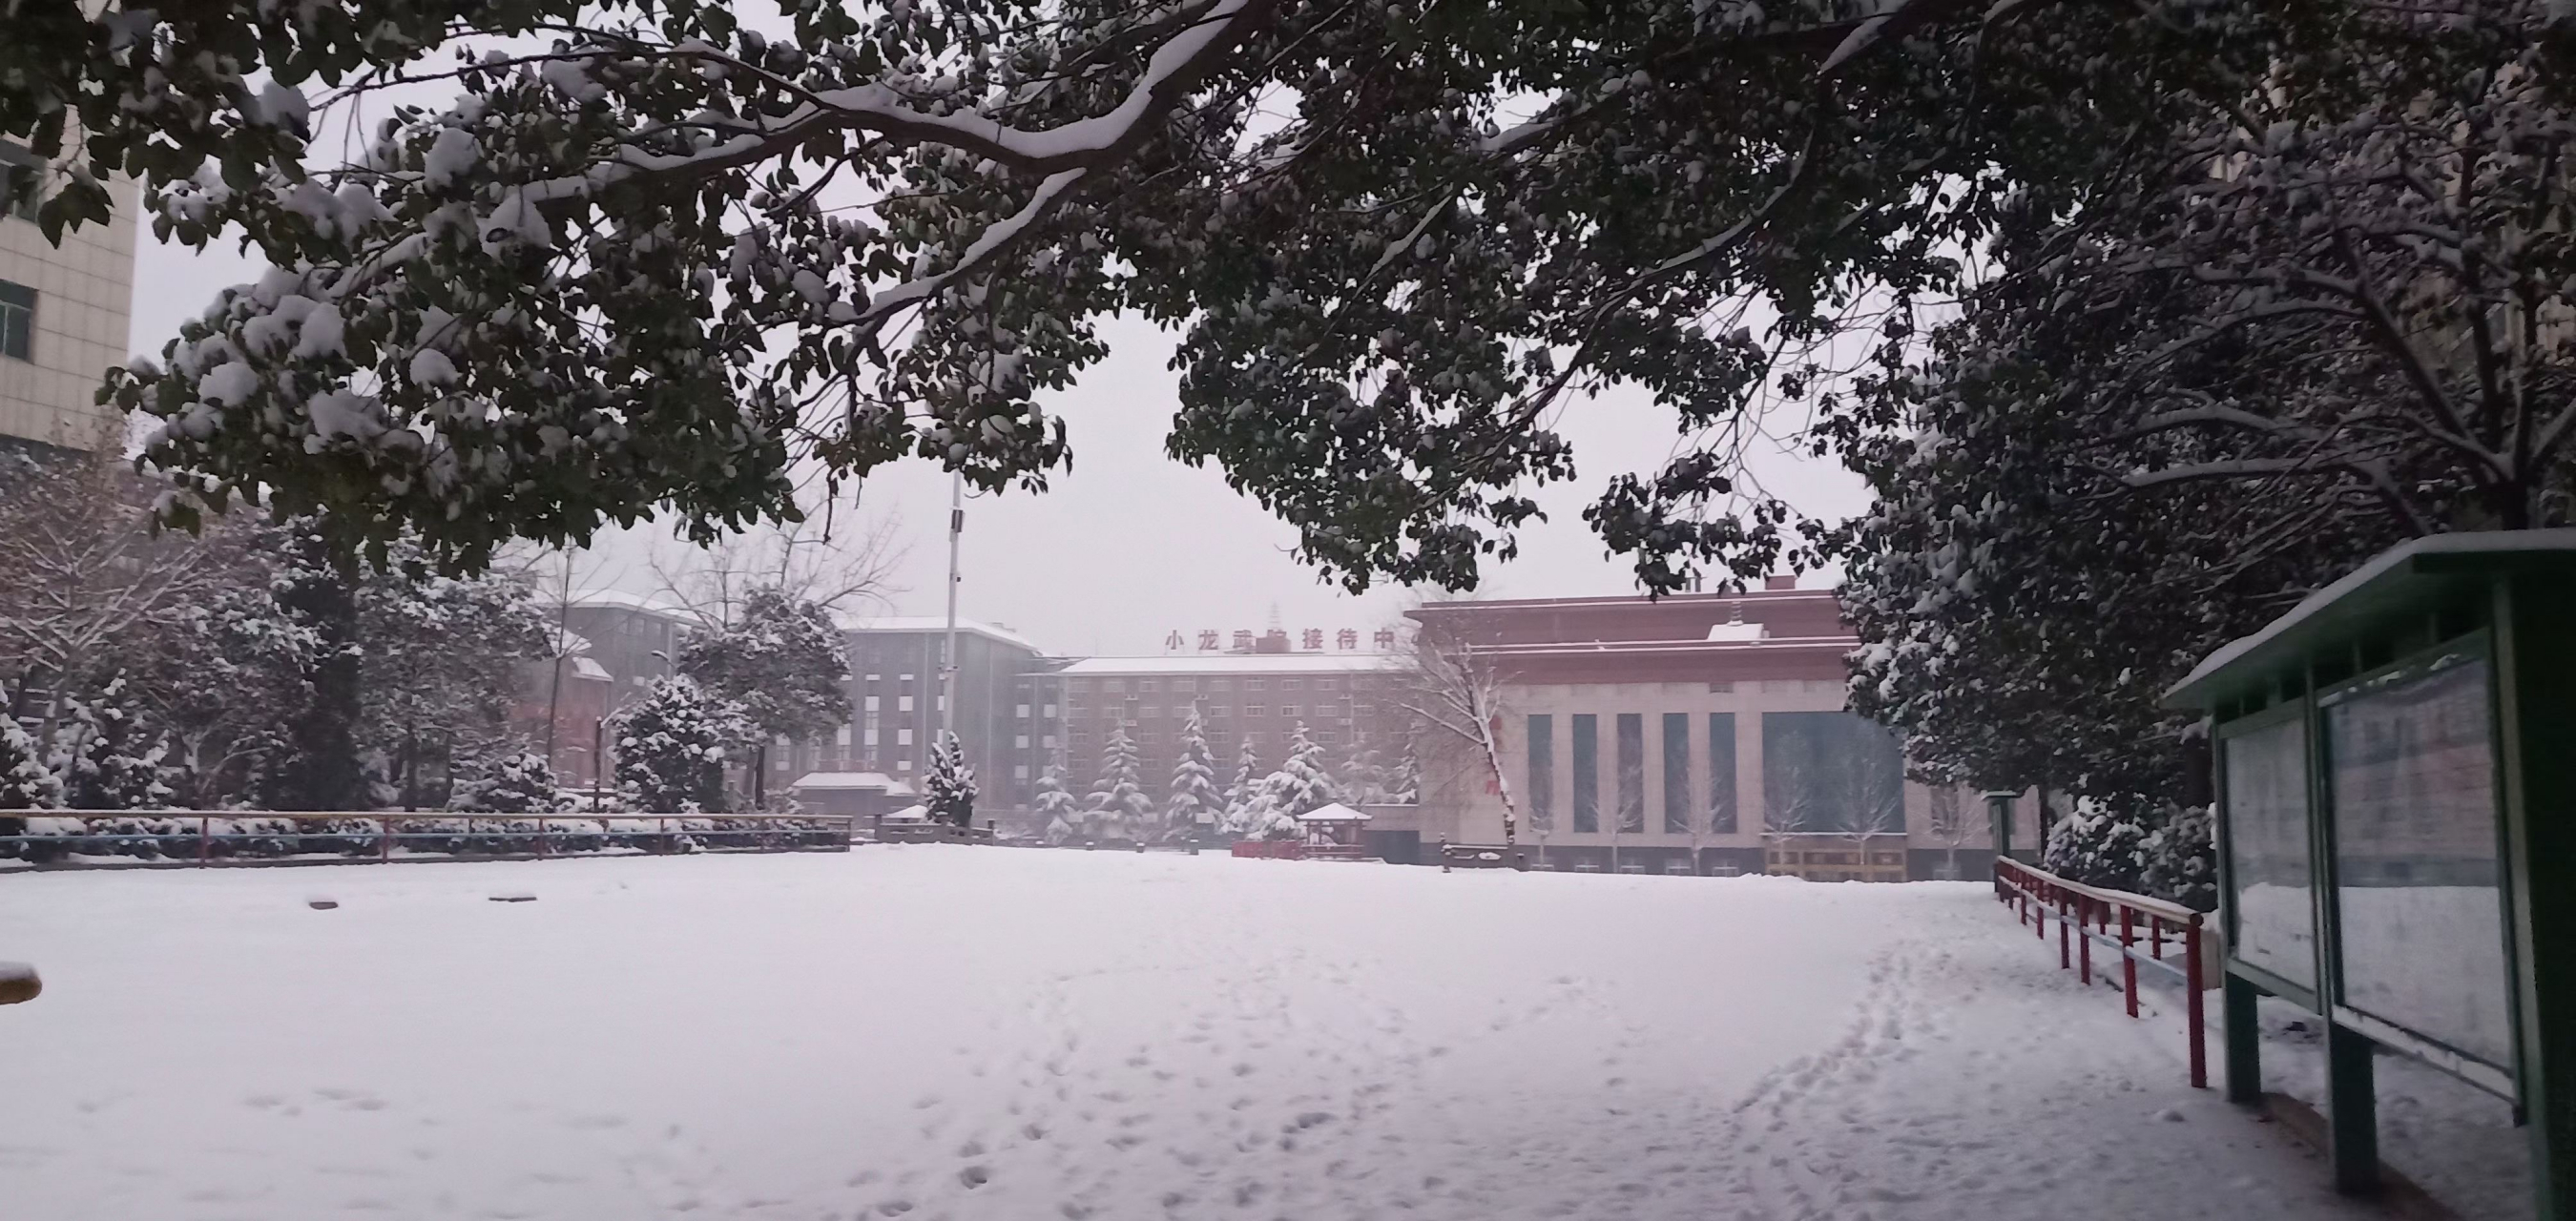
(1130, 546)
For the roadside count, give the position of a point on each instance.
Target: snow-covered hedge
(40, 838)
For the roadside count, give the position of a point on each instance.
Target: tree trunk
(322, 771)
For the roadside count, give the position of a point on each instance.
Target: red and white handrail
(2084, 917)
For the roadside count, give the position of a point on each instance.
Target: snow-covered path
(940, 1032)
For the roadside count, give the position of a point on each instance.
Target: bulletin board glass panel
(2420, 906)
(2266, 800)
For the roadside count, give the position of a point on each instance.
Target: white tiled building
(64, 315)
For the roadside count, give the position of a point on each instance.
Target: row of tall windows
(1821, 771)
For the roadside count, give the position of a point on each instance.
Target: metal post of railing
(384, 838)
(2129, 955)
(2065, 947)
(2192, 983)
(2156, 937)
(541, 835)
(2084, 937)
(205, 840)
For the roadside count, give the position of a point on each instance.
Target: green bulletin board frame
(2508, 599)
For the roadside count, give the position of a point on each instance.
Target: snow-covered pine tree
(1057, 811)
(511, 782)
(672, 744)
(25, 782)
(1364, 774)
(1235, 822)
(1404, 780)
(1118, 806)
(1307, 785)
(106, 757)
(1192, 809)
(950, 786)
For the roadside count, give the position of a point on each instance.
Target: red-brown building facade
(1701, 733)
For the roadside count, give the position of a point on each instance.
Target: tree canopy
(652, 254)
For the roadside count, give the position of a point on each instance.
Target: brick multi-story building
(1349, 702)
(1697, 733)
(896, 703)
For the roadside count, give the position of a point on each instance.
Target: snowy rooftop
(1333, 812)
(852, 780)
(656, 604)
(1236, 663)
(934, 623)
(2365, 593)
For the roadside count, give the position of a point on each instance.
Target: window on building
(1147, 739)
(1587, 773)
(903, 703)
(1542, 771)
(1287, 710)
(1081, 739)
(876, 678)
(868, 704)
(1144, 686)
(1677, 773)
(1216, 710)
(1046, 741)
(1047, 711)
(842, 735)
(1324, 737)
(903, 765)
(1631, 728)
(1021, 711)
(1721, 773)
(22, 179)
(1830, 771)
(1220, 684)
(903, 678)
(1323, 684)
(1363, 710)
(1183, 684)
(1019, 771)
(1113, 684)
(1327, 709)
(17, 321)
(1252, 684)
(1252, 710)
(869, 739)
(1288, 684)
(1149, 711)
(1077, 686)
(1019, 741)
(903, 737)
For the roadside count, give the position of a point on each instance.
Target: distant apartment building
(64, 314)
(896, 704)
(1701, 733)
(1349, 702)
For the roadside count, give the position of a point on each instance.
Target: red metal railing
(1270, 849)
(200, 837)
(2084, 918)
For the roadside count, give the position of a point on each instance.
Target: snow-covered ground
(950, 1032)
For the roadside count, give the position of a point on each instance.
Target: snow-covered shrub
(672, 746)
(25, 782)
(515, 782)
(2097, 844)
(1056, 809)
(106, 757)
(2181, 859)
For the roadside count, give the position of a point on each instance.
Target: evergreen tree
(1118, 803)
(1404, 783)
(1305, 785)
(781, 657)
(106, 757)
(672, 745)
(1194, 803)
(1364, 775)
(951, 784)
(1055, 807)
(1240, 795)
(25, 782)
(511, 782)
